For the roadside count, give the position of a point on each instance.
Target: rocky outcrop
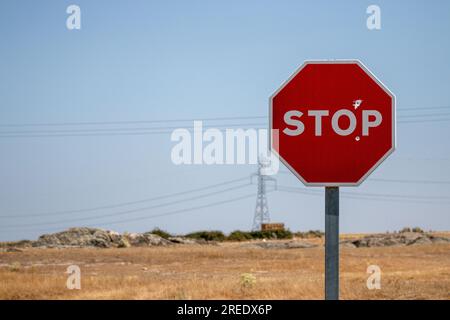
(394, 239)
(92, 237)
(79, 237)
(98, 238)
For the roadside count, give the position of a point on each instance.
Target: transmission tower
(262, 207)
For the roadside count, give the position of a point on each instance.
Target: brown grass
(214, 272)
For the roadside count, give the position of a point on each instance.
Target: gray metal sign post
(331, 243)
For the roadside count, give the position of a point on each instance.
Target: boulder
(405, 238)
(347, 244)
(410, 237)
(146, 239)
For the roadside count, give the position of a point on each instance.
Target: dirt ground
(224, 271)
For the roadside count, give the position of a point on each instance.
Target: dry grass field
(216, 272)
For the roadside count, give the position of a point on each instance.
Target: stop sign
(333, 123)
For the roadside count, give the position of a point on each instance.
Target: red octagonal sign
(333, 123)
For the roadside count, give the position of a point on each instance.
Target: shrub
(248, 280)
(207, 235)
(161, 233)
(277, 234)
(15, 267)
(239, 236)
(405, 230)
(417, 229)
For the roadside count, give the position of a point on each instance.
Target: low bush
(207, 235)
(161, 233)
(417, 229)
(276, 234)
(239, 235)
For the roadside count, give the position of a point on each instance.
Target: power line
(423, 108)
(423, 121)
(409, 158)
(374, 196)
(127, 122)
(410, 181)
(121, 129)
(424, 115)
(123, 204)
(88, 134)
(139, 133)
(89, 123)
(184, 210)
(151, 130)
(140, 218)
(395, 180)
(397, 196)
(128, 211)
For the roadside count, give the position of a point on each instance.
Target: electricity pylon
(262, 214)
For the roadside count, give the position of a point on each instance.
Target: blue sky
(147, 60)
